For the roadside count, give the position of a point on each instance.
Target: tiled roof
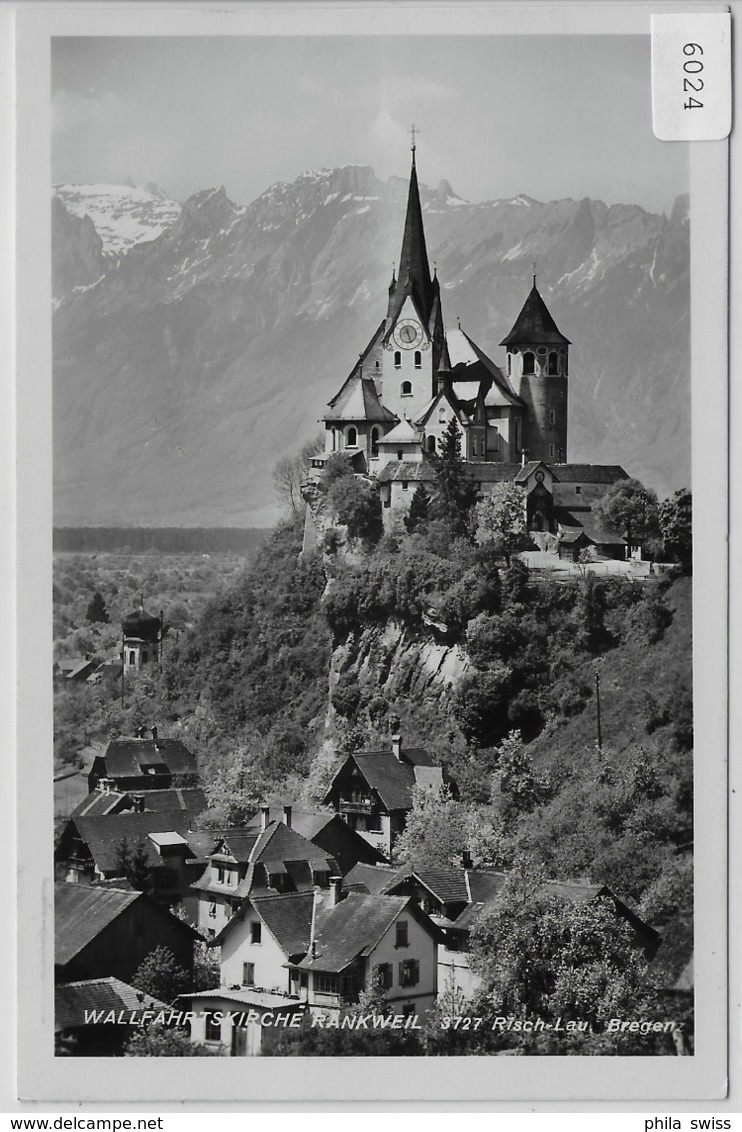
(392, 779)
(97, 804)
(351, 928)
(588, 473)
(490, 472)
(100, 803)
(402, 433)
(247, 996)
(448, 884)
(72, 1000)
(288, 918)
(534, 325)
(126, 757)
(81, 913)
(371, 878)
(465, 352)
(414, 471)
(103, 835)
(237, 843)
(358, 400)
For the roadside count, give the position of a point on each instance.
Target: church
(415, 376)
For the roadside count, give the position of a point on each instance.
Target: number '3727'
(692, 67)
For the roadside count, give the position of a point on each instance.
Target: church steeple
(414, 268)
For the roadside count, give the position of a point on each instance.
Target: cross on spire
(534, 272)
(413, 131)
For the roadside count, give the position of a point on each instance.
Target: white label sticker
(692, 76)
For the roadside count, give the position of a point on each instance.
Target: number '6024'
(694, 67)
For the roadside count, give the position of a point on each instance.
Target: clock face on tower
(408, 334)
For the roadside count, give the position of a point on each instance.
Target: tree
(631, 508)
(456, 492)
(357, 506)
(132, 862)
(96, 611)
(160, 976)
(540, 955)
(290, 471)
(157, 1040)
(676, 524)
(436, 831)
(516, 789)
(417, 515)
(501, 520)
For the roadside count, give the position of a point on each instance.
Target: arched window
(418, 359)
(442, 413)
(529, 363)
(553, 363)
(406, 389)
(377, 365)
(374, 442)
(431, 444)
(397, 359)
(510, 358)
(351, 439)
(145, 657)
(132, 657)
(474, 447)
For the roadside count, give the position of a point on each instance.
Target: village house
(100, 931)
(373, 790)
(141, 763)
(242, 862)
(85, 1015)
(327, 831)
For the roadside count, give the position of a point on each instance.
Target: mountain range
(196, 343)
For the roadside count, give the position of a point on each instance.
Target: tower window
(132, 657)
(405, 485)
(431, 444)
(553, 363)
(377, 365)
(509, 361)
(145, 657)
(541, 350)
(406, 389)
(551, 449)
(529, 363)
(400, 454)
(552, 417)
(352, 438)
(397, 359)
(474, 447)
(374, 442)
(418, 359)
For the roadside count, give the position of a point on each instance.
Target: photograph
(372, 415)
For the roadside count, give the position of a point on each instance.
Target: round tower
(538, 369)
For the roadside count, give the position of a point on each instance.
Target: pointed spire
(535, 325)
(414, 255)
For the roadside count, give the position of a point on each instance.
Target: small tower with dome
(142, 634)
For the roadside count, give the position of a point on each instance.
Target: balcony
(356, 806)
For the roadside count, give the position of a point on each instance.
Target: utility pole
(123, 666)
(597, 698)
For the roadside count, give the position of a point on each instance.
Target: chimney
(336, 890)
(105, 785)
(466, 861)
(522, 457)
(287, 816)
(153, 732)
(313, 949)
(140, 732)
(138, 800)
(265, 816)
(397, 747)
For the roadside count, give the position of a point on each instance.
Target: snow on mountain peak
(123, 215)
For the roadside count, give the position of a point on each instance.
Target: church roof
(419, 471)
(470, 363)
(589, 473)
(534, 324)
(358, 401)
(403, 433)
(414, 269)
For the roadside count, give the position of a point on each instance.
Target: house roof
(103, 835)
(371, 878)
(288, 918)
(277, 849)
(72, 1001)
(81, 913)
(447, 884)
(588, 473)
(97, 804)
(414, 471)
(351, 928)
(392, 779)
(125, 758)
(100, 803)
(534, 325)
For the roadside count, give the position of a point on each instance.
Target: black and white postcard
(372, 465)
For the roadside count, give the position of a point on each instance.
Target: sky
(549, 116)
